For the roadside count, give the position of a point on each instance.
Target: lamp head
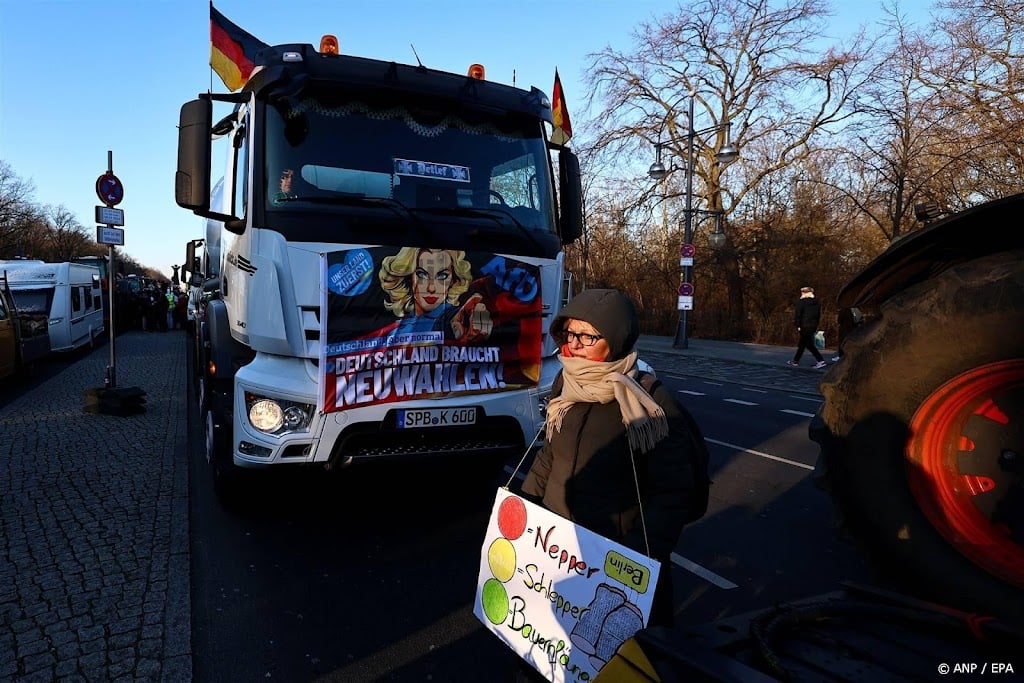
(717, 239)
(657, 170)
(727, 154)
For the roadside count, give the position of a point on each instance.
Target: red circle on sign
(687, 250)
(686, 289)
(512, 518)
(109, 189)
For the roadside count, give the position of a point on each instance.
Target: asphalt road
(370, 574)
(116, 562)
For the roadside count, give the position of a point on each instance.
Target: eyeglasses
(585, 339)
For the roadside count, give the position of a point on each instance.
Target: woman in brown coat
(616, 459)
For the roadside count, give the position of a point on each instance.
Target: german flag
(560, 114)
(232, 50)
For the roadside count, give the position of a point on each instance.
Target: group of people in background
(152, 308)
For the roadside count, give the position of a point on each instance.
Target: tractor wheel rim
(957, 437)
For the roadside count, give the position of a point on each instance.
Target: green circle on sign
(494, 600)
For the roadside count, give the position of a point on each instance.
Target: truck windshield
(334, 153)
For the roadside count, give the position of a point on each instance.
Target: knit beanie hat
(610, 312)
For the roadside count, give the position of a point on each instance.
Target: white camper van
(69, 292)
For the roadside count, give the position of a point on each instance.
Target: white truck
(69, 293)
(390, 257)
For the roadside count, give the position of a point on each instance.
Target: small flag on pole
(232, 50)
(560, 114)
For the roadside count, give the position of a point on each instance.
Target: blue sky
(81, 77)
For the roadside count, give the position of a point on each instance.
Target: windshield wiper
(397, 207)
(494, 214)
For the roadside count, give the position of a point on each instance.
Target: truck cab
(390, 242)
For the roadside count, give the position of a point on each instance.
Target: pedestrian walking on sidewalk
(807, 318)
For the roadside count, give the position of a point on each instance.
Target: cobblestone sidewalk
(94, 564)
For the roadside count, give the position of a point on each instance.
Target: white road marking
(679, 560)
(736, 400)
(815, 399)
(797, 412)
(776, 458)
(755, 390)
(692, 393)
(702, 572)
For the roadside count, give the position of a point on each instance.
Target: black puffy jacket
(584, 474)
(808, 313)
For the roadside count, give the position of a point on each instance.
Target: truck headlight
(266, 415)
(277, 416)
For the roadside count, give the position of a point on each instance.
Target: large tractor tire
(926, 416)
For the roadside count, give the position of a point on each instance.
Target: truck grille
(376, 442)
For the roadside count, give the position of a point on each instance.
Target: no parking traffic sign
(686, 296)
(109, 189)
(686, 253)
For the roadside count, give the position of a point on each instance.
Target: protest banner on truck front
(561, 596)
(409, 322)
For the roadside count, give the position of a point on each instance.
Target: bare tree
(67, 238)
(981, 74)
(942, 118)
(896, 146)
(18, 213)
(47, 233)
(747, 62)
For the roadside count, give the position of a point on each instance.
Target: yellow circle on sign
(501, 557)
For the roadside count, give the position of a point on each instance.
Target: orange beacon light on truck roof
(329, 45)
(476, 71)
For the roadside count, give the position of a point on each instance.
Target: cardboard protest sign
(400, 323)
(561, 596)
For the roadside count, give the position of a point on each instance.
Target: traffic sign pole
(110, 191)
(112, 400)
(686, 253)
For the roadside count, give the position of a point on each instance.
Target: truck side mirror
(190, 258)
(192, 180)
(570, 186)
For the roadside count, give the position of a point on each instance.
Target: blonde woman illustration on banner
(423, 288)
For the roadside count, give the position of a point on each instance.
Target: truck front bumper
(506, 422)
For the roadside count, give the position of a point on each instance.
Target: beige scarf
(587, 381)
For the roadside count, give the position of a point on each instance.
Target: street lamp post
(727, 154)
